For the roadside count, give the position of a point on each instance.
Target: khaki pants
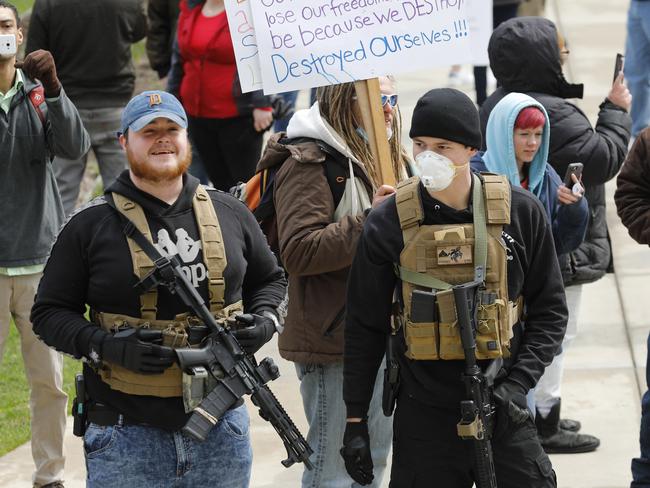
(44, 369)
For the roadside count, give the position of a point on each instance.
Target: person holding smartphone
(517, 139)
(523, 159)
(526, 55)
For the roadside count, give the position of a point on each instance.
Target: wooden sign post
(369, 100)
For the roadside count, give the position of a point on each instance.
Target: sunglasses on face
(392, 99)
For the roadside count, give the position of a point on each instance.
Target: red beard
(148, 171)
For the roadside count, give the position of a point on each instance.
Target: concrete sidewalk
(604, 368)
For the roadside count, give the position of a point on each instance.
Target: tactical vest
(175, 332)
(436, 257)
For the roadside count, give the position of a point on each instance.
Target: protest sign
(479, 16)
(242, 32)
(309, 43)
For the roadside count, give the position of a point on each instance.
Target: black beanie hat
(449, 114)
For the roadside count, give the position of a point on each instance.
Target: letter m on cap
(154, 99)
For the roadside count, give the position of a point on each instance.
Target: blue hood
(500, 155)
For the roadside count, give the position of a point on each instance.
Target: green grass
(22, 5)
(14, 393)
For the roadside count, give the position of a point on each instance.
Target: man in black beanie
(443, 228)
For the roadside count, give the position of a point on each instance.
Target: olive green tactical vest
(169, 383)
(436, 257)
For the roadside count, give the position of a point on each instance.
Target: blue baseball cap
(150, 105)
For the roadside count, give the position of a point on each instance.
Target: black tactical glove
(511, 406)
(126, 349)
(356, 452)
(253, 331)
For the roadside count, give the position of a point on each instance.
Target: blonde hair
(335, 104)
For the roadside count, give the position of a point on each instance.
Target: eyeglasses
(392, 99)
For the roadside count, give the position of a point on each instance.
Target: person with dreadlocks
(324, 189)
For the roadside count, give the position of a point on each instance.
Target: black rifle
(477, 412)
(240, 373)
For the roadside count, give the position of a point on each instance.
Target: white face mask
(435, 170)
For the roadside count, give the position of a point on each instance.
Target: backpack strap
(37, 99)
(142, 264)
(214, 253)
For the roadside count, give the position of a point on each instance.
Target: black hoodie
(90, 264)
(533, 273)
(525, 58)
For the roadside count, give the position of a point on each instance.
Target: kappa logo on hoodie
(187, 249)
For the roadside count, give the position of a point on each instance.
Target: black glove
(255, 331)
(511, 406)
(126, 349)
(356, 452)
(40, 64)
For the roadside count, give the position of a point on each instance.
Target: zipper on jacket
(338, 320)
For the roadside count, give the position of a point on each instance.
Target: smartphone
(572, 169)
(8, 45)
(618, 65)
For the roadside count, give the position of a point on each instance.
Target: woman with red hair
(517, 139)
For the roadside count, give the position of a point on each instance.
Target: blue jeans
(637, 63)
(142, 456)
(641, 465)
(321, 387)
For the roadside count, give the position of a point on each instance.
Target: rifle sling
(130, 230)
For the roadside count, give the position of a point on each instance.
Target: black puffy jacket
(524, 57)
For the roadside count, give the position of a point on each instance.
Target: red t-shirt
(209, 66)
